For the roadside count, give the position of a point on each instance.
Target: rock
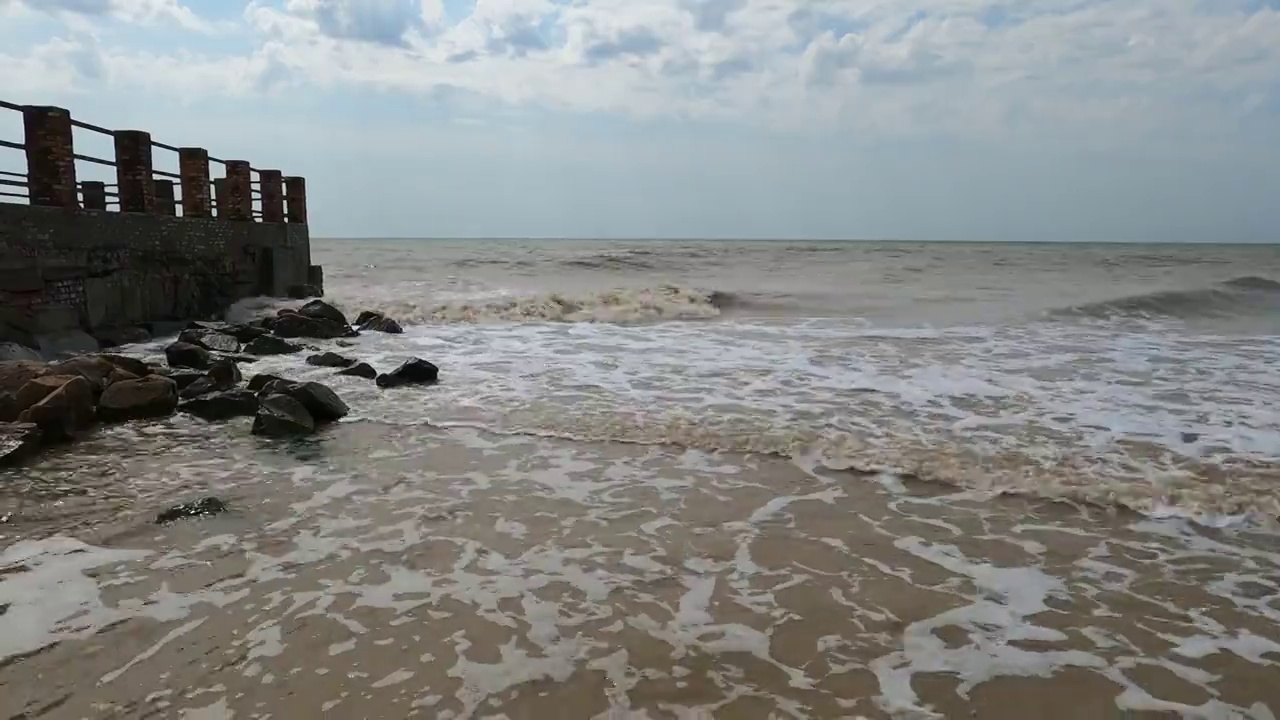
(321, 310)
(268, 345)
(18, 441)
(302, 292)
(94, 368)
(222, 405)
(344, 343)
(112, 337)
(202, 386)
(258, 382)
(225, 374)
(119, 375)
(198, 508)
(38, 389)
(282, 416)
(236, 358)
(148, 397)
(128, 364)
(14, 351)
(302, 326)
(181, 354)
(414, 371)
(184, 378)
(16, 373)
(330, 359)
(240, 331)
(322, 403)
(8, 407)
(64, 411)
(210, 340)
(377, 322)
(363, 370)
(1190, 437)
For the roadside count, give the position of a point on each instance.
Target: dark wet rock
(268, 345)
(37, 389)
(186, 355)
(202, 386)
(1190, 437)
(258, 382)
(362, 370)
(128, 364)
(322, 403)
(210, 340)
(148, 397)
(282, 416)
(222, 405)
(8, 407)
(197, 508)
(377, 322)
(64, 411)
(330, 359)
(113, 337)
(414, 371)
(94, 368)
(18, 441)
(119, 375)
(237, 358)
(302, 326)
(321, 310)
(225, 374)
(302, 292)
(184, 378)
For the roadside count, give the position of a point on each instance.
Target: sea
(696, 479)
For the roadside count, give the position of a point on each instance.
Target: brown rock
(38, 389)
(152, 396)
(94, 368)
(15, 373)
(128, 364)
(64, 411)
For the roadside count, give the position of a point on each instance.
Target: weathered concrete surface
(91, 270)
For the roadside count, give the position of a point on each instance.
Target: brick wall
(61, 270)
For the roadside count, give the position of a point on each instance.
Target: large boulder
(225, 374)
(268, 345)
(414, 371)
(94, 368)
(15, 373)
(202, 386)
(8, 407)
(322, 403)
(128, 364)
(222, 405)
(295, 325)
(185, 378)
(186, 355)
(18, 441)
(239, 331)
(64, 411)
(148, 397)
(330, 359)
(258, 382)
(14, 351)
(321, 310)
(210, 340)
(282, 416)
(361, 370)
(377, 322)
(37, 389)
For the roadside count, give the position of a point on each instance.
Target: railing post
(295, 198)
(51, 162)
(220, 197)
(134, 171)
(193, 166)
(165, 203)
(95, 194)
(271, 183)
(239, 192)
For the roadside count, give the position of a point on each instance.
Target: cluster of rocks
(52, 402)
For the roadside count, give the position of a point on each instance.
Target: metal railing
(51, 178)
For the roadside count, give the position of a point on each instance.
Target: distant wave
(1240, 296)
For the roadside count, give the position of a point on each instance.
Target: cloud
(132, 11)
(377, 21)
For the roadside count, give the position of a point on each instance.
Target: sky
(1039, 120)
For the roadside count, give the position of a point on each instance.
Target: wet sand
(390, 572)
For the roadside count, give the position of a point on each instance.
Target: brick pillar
(51, 163)
(295, 198)
(239, 195)
(272, 186)
(220, 197)
(165, 202)
(95, 195)
(193, 166)
(133, 171)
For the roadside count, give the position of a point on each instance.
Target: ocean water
(698, 479)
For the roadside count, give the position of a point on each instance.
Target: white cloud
(132, 11)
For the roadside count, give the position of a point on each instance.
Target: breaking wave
(1240, 296)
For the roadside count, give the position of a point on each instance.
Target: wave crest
(1239, 296)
